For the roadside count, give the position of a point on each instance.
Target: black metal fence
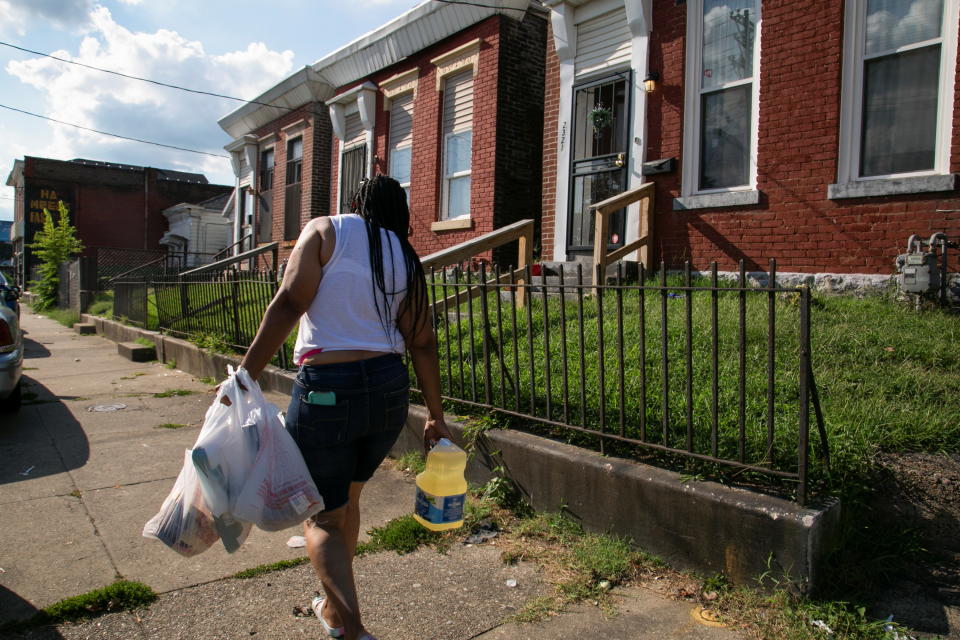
(220, 310)
(704, 369)
(114, 263)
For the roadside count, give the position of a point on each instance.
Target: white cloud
(64, 14)
(888, 29)
(131, 2)
(137, 109)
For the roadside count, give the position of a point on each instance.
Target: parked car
(11, 359)
(9, 293)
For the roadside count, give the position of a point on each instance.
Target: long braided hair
(382, 203)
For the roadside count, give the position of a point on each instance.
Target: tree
(55, 244)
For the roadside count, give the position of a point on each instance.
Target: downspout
(237, 231)
(146, 204)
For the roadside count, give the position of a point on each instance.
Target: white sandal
(333, 632)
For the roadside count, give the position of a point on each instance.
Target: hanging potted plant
(600, 118)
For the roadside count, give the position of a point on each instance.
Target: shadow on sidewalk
(15, 608)
(34, 349)
(42, 439)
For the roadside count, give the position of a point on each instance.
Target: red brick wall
(426, 155)
(551, 116)
(315, 187)
(519, 129)
(794, 222)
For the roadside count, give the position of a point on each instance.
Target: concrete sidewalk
(77, 486)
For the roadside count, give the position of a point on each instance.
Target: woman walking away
(357, 288)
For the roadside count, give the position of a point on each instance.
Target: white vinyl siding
(353, 133)
(458, 102)
(457, 139)
(401, 121)
(603, 42)
(401, 140)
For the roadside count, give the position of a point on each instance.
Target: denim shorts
(345, 441)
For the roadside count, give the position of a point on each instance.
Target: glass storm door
(601, 134)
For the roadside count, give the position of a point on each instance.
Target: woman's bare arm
(296, 293)
(422, 345)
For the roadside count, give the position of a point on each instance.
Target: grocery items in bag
(244, 469)
(250, 468)
(441, 488)
(184, 522)
(279, 491)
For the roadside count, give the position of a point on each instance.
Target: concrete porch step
(137, 352)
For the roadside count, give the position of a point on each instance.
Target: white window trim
(849, 183)
(389, 97)
(262, 150)
(362, 99)
(447, 177)
(399, 85)
(405, 185)
(343, 151)
(466, 56)
(692, 197)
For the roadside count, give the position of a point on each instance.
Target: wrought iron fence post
(771, 355)
(803, 444)
(598, 276)
(235, 298)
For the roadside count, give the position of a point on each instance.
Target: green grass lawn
(886, 375)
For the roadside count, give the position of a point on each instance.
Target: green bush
(55, 244)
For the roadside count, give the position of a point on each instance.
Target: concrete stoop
(693, 525)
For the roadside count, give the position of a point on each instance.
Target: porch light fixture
(650, 82)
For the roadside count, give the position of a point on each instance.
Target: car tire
(11, 404)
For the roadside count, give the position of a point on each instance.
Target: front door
(601, 137)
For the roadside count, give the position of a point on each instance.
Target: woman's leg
(331, 544)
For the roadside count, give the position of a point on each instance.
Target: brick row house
(821, 133)
(447, 98)
(117, 209)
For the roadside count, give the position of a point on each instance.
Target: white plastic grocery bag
(244, 469)
(184, 523)
(278, 492)
(222, 455)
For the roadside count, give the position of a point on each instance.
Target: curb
(701, 526)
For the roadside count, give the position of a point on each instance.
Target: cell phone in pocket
(323, 398)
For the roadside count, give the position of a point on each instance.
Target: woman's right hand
(433, 430)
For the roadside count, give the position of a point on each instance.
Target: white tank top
(343, 314)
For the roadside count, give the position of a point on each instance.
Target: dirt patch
(920, 492)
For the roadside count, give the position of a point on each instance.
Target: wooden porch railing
(602, 210)
(522, 231)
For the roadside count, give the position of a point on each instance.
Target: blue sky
(233, 48)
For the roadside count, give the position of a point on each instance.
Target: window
(291, 209)
(722, 89)
(401, 140)
(899, 61)
(265, 219)
(353, 160)
(352, 171)
(457, 145)
(266, 170)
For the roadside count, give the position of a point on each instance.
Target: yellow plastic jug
(441, 488)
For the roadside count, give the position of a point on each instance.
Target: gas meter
(919, 271)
